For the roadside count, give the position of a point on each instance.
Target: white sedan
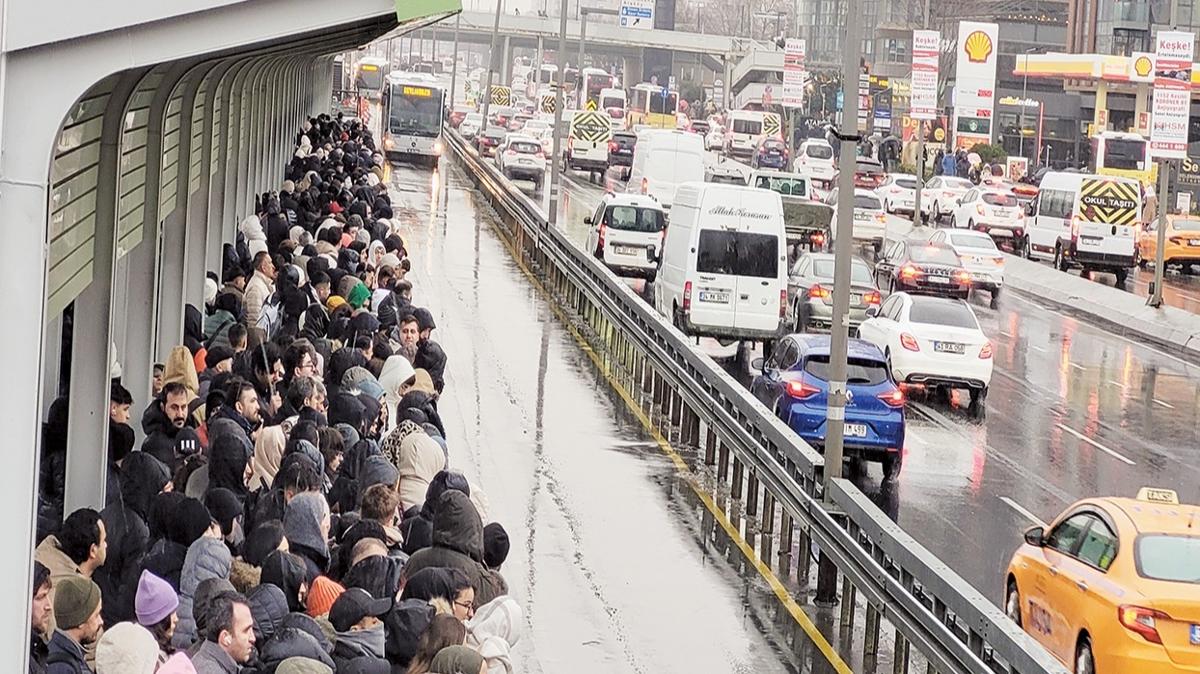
(715, 138)
(941, 195)
(933, 342)
(991, 211)
(979, 256)
(898, 191)
(870, 222)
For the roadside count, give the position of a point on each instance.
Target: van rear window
(751, 127)
(819, 151)
(738, 254)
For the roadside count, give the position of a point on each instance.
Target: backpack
(271, 316)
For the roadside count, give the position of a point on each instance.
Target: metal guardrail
(954, 627)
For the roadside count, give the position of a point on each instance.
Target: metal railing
(764, 464)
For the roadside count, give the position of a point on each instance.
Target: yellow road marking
(781, 592)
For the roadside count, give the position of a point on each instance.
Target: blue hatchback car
(794, 383)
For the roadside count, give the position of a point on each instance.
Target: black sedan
(922, 267)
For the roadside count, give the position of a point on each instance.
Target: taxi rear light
(872, 297)
(818, 291)
(980, 209)
(1141, 621)
(687, 297)
(909, 342)
(986, 351)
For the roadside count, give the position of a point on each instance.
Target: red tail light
(908, 271)
(687, 297)
(510, 153)
(613, 146)
(986, 351)
(1142, 621)
(819, 291)
(962, 277)
(909, 342)
(895, 398)
(603, 231)
(817, 239)
(801, 389)
(783, 303)
(872, 297)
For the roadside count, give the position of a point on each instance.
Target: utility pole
(556, 160)
(1164, 186)
(487, 88)
(454, 68)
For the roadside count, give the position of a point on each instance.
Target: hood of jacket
(292, 642)
(142, 478)
(418, 458)
(181, 368)
(376, 470)
(268, 452)
(404, 625)
(302, 521)
(360, 643)
(500, 620)
(228, 455)
(286, 572)
(268, 607)
(206, 558)
(456, 525)
(396, 370)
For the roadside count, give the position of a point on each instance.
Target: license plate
(1196, 635)
(939, 279)
(856, 299)
(627, 250)
(1091, 239)
(719, 297)
(949, 347)
(1194, 242)
(855, 430)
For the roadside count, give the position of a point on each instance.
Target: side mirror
(958, 201)
(587, 219)
(1029, 208)
(1035, 536)
(757, 364)
(873, 311)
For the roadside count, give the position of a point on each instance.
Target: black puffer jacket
(290, 642)
(142, 477)
(404, 625)
(458, 543)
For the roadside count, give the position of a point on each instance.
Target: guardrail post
(752, 493)
(804, 551)
(785, 543)
(735, 488)
(767, 522)
(722, 462)
(900, 655)
(849, 597)
(710, 447)
(871, 640)
(827, 575)
(677, 411)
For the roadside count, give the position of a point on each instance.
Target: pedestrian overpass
(134, 136)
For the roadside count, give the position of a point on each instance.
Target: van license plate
(1091, 239)
(627, 250)
(949, 347)
(717, 297)
(855, 430)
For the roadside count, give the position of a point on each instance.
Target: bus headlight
(437, 147)
(388, 143)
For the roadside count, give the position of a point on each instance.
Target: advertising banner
(1172, 94)
(975, 82)
(924, 101)
(793, 73)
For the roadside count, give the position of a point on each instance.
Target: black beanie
(495, 545)
(261, 542)
(192, 520)
(224, 506)
(120, 441)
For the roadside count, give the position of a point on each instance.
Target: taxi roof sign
(1156, 495)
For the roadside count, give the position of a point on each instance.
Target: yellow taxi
(1113, 585)
(1183, 241)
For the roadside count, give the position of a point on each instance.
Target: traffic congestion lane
(1073, 411)
(610, 574)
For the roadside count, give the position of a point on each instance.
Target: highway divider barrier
(774, 475)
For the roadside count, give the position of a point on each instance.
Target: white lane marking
(1111, 452)
(1037, 348)
(1022, 511)
(1005, 334)
(1077, 366)
(1164, 404)
(1116, 383)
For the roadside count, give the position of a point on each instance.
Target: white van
(662, 160)
(1085, 220)
(623, 230)
(743, 131)
(723, 266)
(814, 159)
(586, 149)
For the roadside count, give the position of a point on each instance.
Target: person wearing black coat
(142, 478)
(176, 521)
(417, 524)
(290, 642)
(432, 358)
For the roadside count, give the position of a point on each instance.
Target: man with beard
(77, 613)
(163, 421)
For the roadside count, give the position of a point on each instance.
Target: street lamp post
(1024, 97)
(556, 133)
(487, 88)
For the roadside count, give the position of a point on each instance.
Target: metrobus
(547, 74)
(593, 81)
(369, 74)
(414, 108)
(648, 106)
(1119, 153)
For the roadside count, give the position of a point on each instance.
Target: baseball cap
(353, 605)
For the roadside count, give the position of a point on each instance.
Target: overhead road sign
(636, 14)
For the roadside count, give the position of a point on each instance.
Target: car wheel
(995, 303)
(1012, 603)
(935, 213)
(892, 463)
(1026, 248)
(1060, 259)
(953, 221)
(978, 402)
(1085, 663)
(801, 320)
(1123, 274)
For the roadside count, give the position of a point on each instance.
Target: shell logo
(1142, 66)
(978, 47)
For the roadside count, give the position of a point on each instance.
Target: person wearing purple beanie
(155, 604)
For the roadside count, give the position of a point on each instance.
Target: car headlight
(437, 147)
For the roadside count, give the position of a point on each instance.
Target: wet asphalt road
(1072, 412)
(605, 561)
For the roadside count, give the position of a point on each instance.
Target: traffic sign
(547, 104)
(501, 95)
(793, 73)
(671, 83)
(636, 14)
(591, 127)
(591, 106)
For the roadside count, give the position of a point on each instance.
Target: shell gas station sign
(975, 83)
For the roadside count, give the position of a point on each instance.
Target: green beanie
(75, 600)
(359, 295)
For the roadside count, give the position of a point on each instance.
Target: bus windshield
(664, 106)
(1124, 154)
(415, 110)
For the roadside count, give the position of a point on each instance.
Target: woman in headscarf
(306, 523)
(417, 456)
(268, 452)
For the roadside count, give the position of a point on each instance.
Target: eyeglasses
(468, 606)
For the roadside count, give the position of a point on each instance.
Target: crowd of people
(292, 507)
